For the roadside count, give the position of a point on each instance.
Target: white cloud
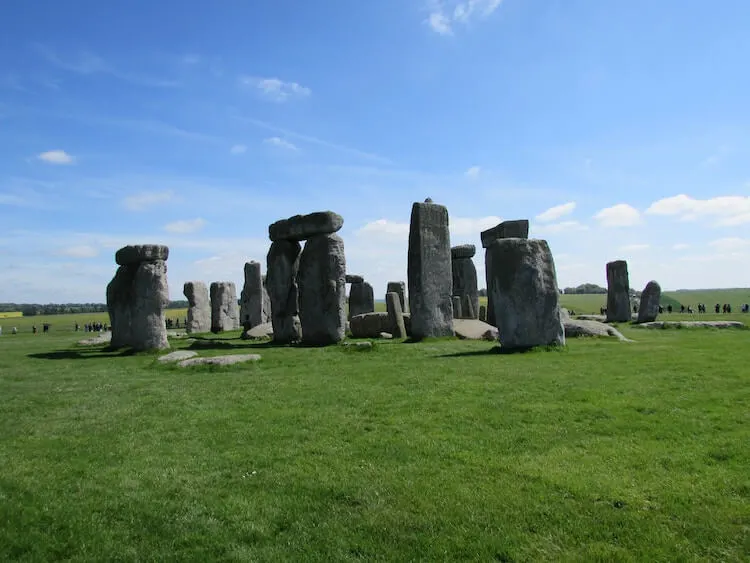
(280, 143)
(634, 247)
(391, 229)
(556, 212)
(56, 157)
(680, 246)
(723, 210)
(731, 244)
(238, 149)
(620, 215)
(471, 227)
(561, 227)
(473, 172)
(79, 251)
(185, 226)
(141, 201)
(444, 14)
(275, 89)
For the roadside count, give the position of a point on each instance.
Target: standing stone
(282, 265)
(137, 297)
(523, 285)
(225, 314)
(507, 229)
(266, 302)
(483, 313)
(465, 280)
(252, 311)
(361, 299)
(618, 292)
(429, 272)
(395, 314)
(650, 298)
(199, 307)
(457, 313)
(322, 290)
(398, 287)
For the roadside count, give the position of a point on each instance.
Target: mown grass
(442, 450)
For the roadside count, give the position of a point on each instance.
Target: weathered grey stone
(137, 253)
(692, 324)
(407, 323)
(199, 307)
(457, 313)
(353, 278)
(386, 336)
(281, 281)
(220, 360)
(463, 251)
(252, 310)
(507, 229)
(483, 313)
(361, 299)
(177, 356)
(649, 307)
(302, 227)
(464, 274)
(395, 315)
(523, 285)
(399, 288)
(369, 325)
(575, 328)
(137, 297)
(225, 314)
(474, 329)
(103, 338)
(618, 292)
(258, 332)
(429, 272)
(322, 290)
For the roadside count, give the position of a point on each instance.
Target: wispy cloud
(238, 149)
(444, 14)
(280, 143)
(561, 227)
(634, 247)
(473, 172)
(56, 157)
(313, 140)
(275, 89)
(556, 212)
(620, 215)
(726, 211)
(185, 226)
(79, 251)
(142, 201)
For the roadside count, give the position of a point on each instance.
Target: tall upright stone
(199, 307)
(282, 266)
(457, 312)
(395, 315)
(650, 299)
(361, 299)
(618, 292)
(252, 310)
(137, 297)
(518, 228)
(399, 288)
(225, 313)
(465, 280)
(523, 285)
(429, 272)
(322, 290)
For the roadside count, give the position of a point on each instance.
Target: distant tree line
(585, 289)
(36, 309)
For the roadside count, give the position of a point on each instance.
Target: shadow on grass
(500, 351)
(73, 354)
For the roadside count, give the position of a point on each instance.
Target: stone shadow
(74, 354)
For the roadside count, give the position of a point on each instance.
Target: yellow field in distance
(11, 315)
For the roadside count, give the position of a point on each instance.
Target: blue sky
(620, 129)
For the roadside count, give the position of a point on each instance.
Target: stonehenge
(649, 307)
(523, 286)
(137, 297)
(618, 292)
(282, 263)
(225, 314)
(253, 298)
(429, 272)
(465, 281)
(199, 307)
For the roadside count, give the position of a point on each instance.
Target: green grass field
(441, 450)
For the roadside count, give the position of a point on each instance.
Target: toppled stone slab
(386, 336)
(353, 278)
(370, 325)
(178, 356)
(507, 229)
(473, 329)
(359, 345)
(463, 251)
(598, 318)
(692, 324)
(137, 253)
(102, 338)
(575, 328)
(302, 227)
(258, 332)
(220, 360)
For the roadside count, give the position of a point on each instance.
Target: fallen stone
(618, 292)
(386, 335)
(137, 253)
(225, 313)
(199, 307)
(649, 307)
(429, 272)
(178, 356)
(220, 360)
(258, 332)
(359, 345)
(102, 338)
(281, 281)
(369, 325)
(463, 251)
(507, 229)
(474, 329)
(575, 328)
(302, 227)
(692, 324)
(352, 278)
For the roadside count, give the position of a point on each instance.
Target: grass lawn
(442, 450)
